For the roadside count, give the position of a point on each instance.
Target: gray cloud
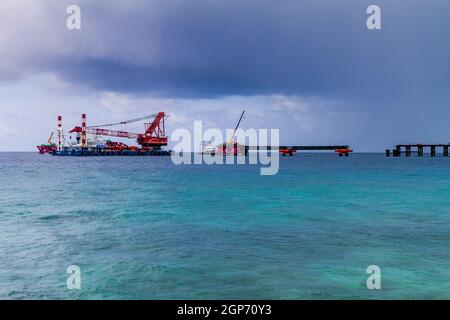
(246, 47)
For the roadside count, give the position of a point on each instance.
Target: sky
(310, 68)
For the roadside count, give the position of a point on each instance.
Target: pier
(419, 149)
(341, 150)
(317, 148)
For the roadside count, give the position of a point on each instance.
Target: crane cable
(125, 122)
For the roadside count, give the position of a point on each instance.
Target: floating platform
(98, 152)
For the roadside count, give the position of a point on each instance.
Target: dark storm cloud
(288, 47)
(210, 48)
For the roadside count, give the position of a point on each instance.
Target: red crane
(154, 135)
(153, 138)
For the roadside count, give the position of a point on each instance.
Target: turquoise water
(143, 228)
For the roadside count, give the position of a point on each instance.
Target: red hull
(46, 149)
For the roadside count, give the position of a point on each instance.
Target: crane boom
(50, 138)
(106, 132)
(237, 126)
(112, 133)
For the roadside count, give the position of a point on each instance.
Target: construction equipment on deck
(231, 147)
(153, 138)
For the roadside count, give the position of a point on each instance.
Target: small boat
(48, 147)
(209, 149)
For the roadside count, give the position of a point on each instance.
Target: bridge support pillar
(420, 151)
(433, 151)
(408, 151)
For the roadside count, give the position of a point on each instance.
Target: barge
(95, 152)
(88, 143)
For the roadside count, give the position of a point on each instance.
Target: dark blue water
(141, 227)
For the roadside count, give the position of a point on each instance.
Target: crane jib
(153, 137)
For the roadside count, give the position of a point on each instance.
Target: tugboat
(48, 147)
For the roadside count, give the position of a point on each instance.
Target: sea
(145, 228)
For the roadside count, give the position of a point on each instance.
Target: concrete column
(408, 151)
(420, 151)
